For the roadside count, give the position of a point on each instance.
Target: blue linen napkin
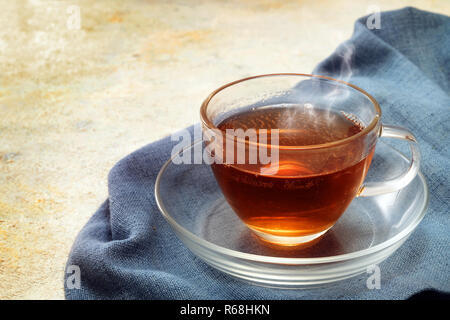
(128, 251)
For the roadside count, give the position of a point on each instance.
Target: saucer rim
(283, 260)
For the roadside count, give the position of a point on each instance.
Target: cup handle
(375, 188)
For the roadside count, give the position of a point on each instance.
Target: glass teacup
(291, 151)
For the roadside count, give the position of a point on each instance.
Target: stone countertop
(84, 83)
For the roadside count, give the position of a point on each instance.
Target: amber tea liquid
(308, 191)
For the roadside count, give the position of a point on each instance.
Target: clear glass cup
(301, 203)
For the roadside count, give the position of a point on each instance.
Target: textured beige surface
(75, 101)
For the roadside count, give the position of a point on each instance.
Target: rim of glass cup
(210, 125)
(283, 260)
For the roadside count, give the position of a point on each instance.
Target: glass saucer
(369, 231)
